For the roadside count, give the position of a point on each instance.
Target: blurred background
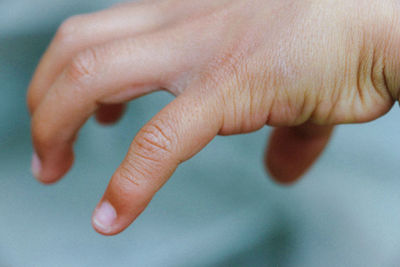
(219, 209)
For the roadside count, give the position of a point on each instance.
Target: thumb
(174, 135)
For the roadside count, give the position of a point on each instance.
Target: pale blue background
(219, 209)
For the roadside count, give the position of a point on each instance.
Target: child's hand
(235, 66)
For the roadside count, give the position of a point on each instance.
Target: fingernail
(36, 166)
(104, 217)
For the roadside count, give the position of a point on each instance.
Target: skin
(235, 66)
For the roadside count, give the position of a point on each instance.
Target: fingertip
(283, 157)
(121, 204)
(50, 170)
(280, 172)
(110, 114)
(36, 169)
(110, 219)
(104, 218)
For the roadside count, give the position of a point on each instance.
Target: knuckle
(241, 97)
(83, 66)
(378, 79)
(31, 100)
(372, 97)
(137, 171)
(68, 30)
(128, 172)
(154, 140)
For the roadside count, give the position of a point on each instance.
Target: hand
(234, 66)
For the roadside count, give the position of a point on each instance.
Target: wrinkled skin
(234, 65)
